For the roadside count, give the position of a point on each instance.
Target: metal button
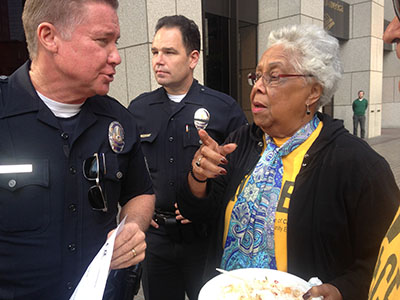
(119, 175)
(171, 139)
(72, 170)
(69, 285)
(12, 183)
(260, 144)
(171, 183)
(72, 207)
(65, 135)
(72, 247)
(171, 160)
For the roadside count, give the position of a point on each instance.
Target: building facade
(234, 34)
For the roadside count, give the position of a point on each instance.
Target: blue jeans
(361, 120)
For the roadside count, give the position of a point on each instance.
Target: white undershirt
(176, 98)
(61, 110)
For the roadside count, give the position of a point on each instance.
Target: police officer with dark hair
(69, 155)
(175, 253)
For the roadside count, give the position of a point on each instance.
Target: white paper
(94, 280)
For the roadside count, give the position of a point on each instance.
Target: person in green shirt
(359, 107)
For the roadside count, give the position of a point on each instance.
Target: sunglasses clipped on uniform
(91, 171)
(396, 5)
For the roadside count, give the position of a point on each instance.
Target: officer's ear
(194, 58)
(46, 35)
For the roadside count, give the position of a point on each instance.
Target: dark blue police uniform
(49, 232)
(175, 253)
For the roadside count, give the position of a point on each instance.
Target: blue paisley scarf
(250, 239)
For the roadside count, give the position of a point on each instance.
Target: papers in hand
(94, 280)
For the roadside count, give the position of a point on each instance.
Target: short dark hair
(188, 28)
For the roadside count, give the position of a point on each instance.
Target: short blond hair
(63, 14)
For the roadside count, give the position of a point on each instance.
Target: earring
(308, 110)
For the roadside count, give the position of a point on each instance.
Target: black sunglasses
(91, 171)
(396, 5)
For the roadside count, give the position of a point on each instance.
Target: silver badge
(201, 118)
(116, 136)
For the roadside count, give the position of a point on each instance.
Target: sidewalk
(387, 145)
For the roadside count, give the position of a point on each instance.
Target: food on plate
(260, 289)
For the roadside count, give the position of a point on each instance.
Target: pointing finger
(207, 140)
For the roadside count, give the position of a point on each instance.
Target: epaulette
(222, 96)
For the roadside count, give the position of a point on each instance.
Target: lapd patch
(116, 136)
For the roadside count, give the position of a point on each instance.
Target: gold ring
(198, 161)
(134, 252)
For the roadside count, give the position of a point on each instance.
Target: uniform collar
(21, 91)
(163, 97)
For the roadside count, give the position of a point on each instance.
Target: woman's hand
(328, 291)
(206, 163)
(207, 160)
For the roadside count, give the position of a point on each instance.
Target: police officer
(175, 255)
(68, 155)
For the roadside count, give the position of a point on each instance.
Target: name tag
(9, 169)
(145, 135)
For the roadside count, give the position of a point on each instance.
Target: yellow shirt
(291, 167)
(386, 280)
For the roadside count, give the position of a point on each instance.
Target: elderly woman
(298, 193)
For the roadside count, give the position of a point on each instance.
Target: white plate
(213, 289)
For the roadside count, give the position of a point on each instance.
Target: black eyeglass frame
(96, 196)
(254, 77)
(396, 6)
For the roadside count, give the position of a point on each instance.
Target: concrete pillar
(362, 57)
(277, 13)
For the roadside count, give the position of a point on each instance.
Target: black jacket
(343, 201)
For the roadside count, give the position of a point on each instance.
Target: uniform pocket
(25, 199)
(191, 137)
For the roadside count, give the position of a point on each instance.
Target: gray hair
(63, 14)
(311, 51)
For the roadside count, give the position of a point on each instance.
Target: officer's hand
(207, 160)
(328, 291)
(179, 217)
(129, 247)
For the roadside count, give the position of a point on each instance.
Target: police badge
(116, 136)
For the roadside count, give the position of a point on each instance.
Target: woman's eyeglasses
(271, 80)
(396, 5)
(91, 171)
